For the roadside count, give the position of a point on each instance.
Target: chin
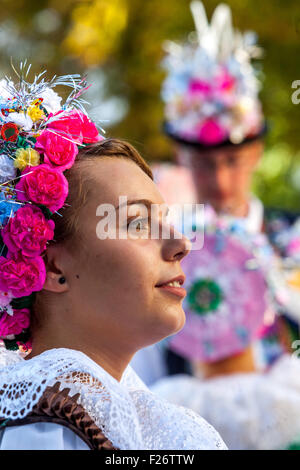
(171, 321)
(181, 321)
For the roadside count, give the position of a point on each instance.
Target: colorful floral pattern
(205, 296)
(39, 140)
(28, 232)
(14, 324)
(226, 300)
(211, 89)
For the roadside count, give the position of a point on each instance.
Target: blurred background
(118, 44)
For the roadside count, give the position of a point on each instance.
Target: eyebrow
(145, 202)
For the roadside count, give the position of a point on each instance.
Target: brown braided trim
(57, 406)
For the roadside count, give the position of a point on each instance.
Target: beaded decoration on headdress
(233, 291)
(286, 239)
(39, 139)
(211, 90)
(225, 303)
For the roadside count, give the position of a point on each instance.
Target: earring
(61, 280)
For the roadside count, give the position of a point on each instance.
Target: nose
(176, 247)
(221, 178)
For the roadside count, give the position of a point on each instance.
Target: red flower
(77, 125)
(9, 132)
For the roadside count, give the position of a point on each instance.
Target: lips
(180, 279)
(173, 286)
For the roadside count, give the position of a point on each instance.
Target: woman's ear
(56, 279)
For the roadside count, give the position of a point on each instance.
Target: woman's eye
(138, 224)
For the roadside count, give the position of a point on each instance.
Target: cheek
(242, 180)
(124, 273)
(123, 269)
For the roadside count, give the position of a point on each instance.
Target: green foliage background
(125, 38)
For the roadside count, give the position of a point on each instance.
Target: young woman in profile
(86, 304)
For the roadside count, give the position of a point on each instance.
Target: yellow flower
(294, 280)
(26, 157)
(35, 113)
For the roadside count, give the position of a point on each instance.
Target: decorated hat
(211, 89)
(227, 298)
(40, 136)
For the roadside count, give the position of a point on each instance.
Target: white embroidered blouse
(129, 415)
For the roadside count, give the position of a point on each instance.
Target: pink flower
(211, 133)
(293, 247)
(89, 131)
(199, 87)
(14, 324)
(25, 348)
(28, 231)
(43, 185)
(225, 82)
(59, 150)
(21, 276)
(67, 124)
(77, 125)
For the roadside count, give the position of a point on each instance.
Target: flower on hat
(9, 132)
(67, 124)
(7, 207)
(26, 347)
(90, 133)
(14, 324)
(43, 185)
(51, 100)
(211, 132)
(20, 119)
(59, 150)
(28, 231)
(21, 275)
(5, 298)
(35, 113)
(26, 157)
(7, 170)
(77, 125)
(198, 86)
(5, 93)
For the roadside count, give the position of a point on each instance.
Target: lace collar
(130, 416)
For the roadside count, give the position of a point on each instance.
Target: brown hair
(66, 224)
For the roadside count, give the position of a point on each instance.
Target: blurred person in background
(254, 407)
(214, 116)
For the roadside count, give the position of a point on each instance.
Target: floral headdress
(211, 91)
(39, 139)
